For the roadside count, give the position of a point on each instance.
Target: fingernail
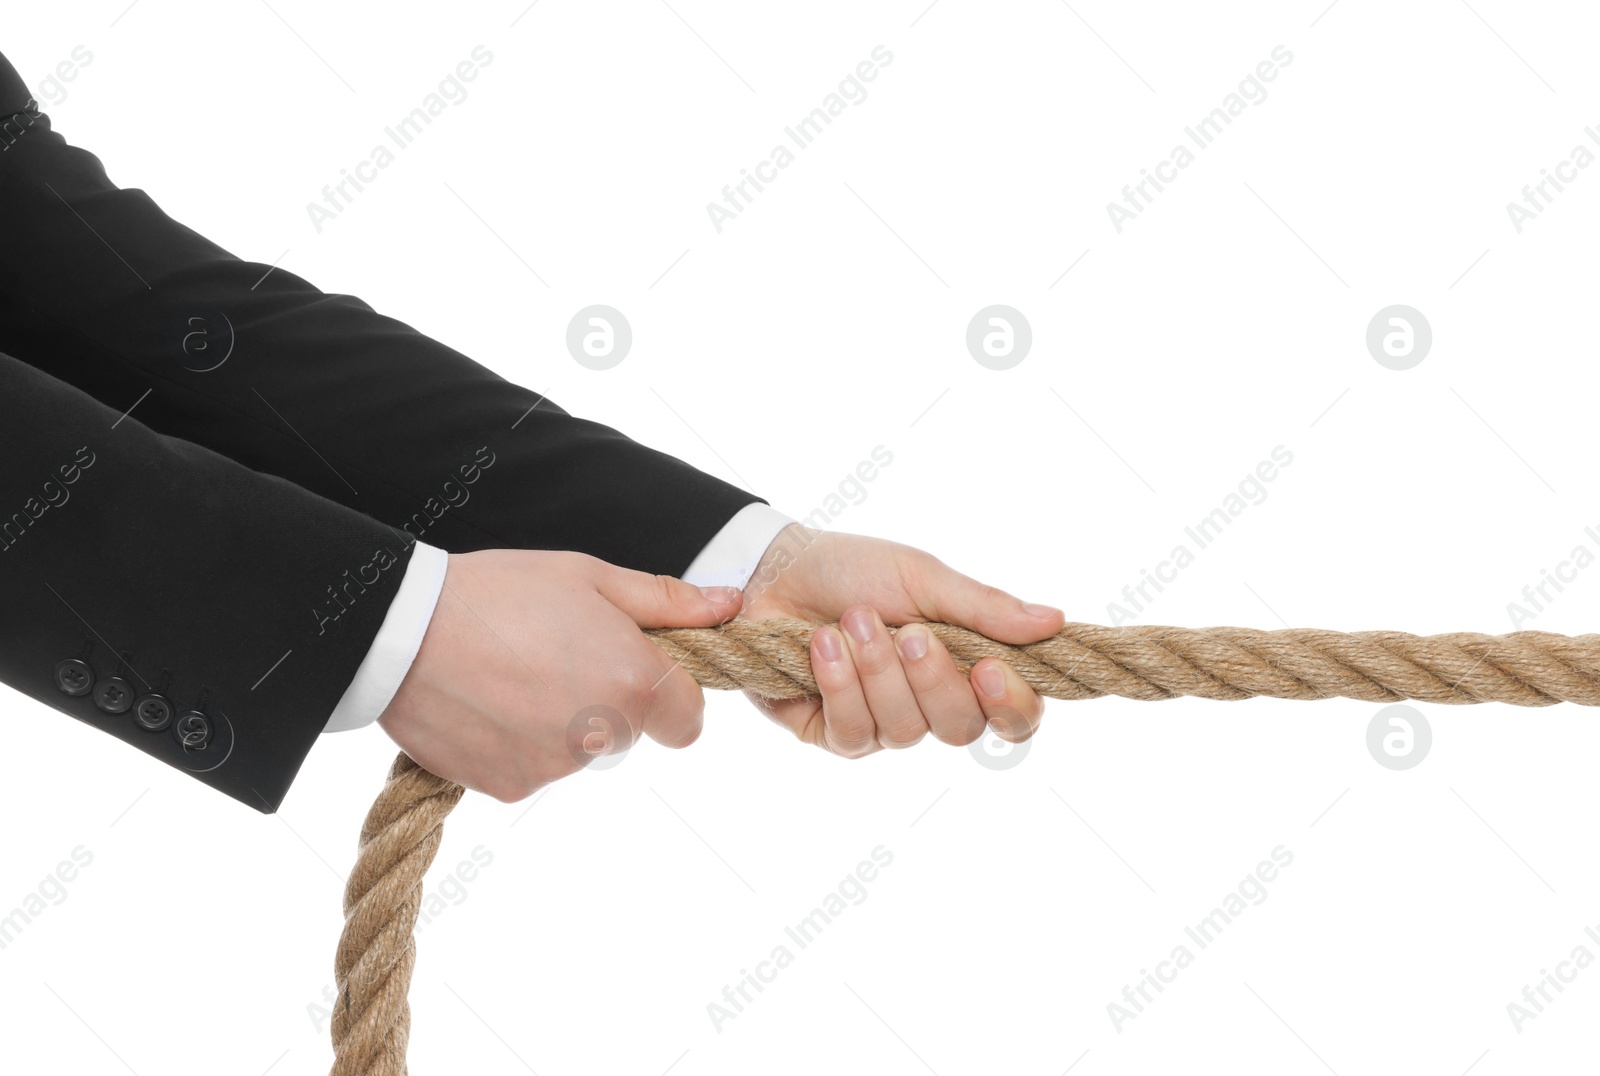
(991, 681)
(829, 645)
(721, 595)
(912, 641)
(858, 622)
(1043, 612)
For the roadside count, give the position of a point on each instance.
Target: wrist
(399, 716)
(782, 553)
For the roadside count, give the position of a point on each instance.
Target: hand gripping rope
(377, 950)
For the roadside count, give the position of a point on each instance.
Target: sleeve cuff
(732, 555)
(396, 644)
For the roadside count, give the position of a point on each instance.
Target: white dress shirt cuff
(730, 558)
(396, 643)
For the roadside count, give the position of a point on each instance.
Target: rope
(1086, 661)
(372, 1019)
(377, 951)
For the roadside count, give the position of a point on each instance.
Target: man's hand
(882, 691)
(534, 662)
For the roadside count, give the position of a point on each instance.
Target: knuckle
(634, 683)
(875, 658)
(989, 594)
(903, 733)
(688, 736)
(932, 677)
(1034, 708)
(508, 788)
(834, 677)
(962, 733)
(968, 735)
(666, 588)
(922, 565)
(851, 735)
(582, 563)
(1010, 724)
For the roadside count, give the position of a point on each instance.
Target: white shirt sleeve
(728, 560)
(396, 644)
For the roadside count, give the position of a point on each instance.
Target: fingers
(848, 727)
(1012, 708)
(883, 691)
(660, 601)
(670, 705)
(659, 698)
(633, 689)
(945, 594)
(891, 703)
(945, 697)
(803, 717)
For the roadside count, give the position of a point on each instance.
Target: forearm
(98, 286)
(203, 613)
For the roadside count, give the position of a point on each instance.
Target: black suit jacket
(214, 473)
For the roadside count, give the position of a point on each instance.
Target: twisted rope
(377, 950)
(1086, 661)
(372, 1019)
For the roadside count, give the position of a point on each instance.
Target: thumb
(945, 594)
(661, 601)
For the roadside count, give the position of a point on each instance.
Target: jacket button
(152, 713)
(114, 695)
(193, 730)
(74, 677)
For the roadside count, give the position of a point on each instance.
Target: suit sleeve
(206, 614)
(102, 289)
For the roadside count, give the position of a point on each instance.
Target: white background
(830, 318)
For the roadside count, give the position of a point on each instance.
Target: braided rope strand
(372, 967)
(377, 951)
(1087, 661)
